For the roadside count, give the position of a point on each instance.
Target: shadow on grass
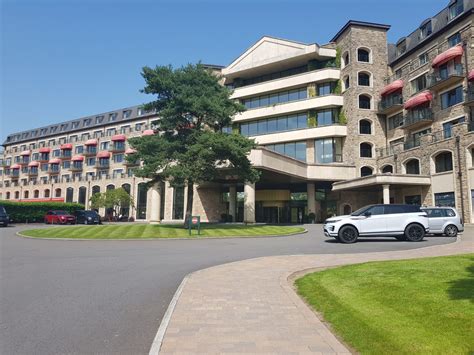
(463, 289)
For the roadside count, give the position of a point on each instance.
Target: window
(445, 199)
(364, 102)
(328, 150)
(448, 127)
(366, 171)
(455, 9)
(69, 194)
(79, 149)
(452, 97)
(178, 202)
(363, 55)
(57, 193)
(126, 113)
(46, 193)
(113, 117)
(97, 134)
(63, 127)
(345, 59)
(124, 129)
(413, 200)
(277, 124)
(295, 150)
(142, 200)
(91, 161)
(443, 162)
(398, 73)
(82, 195)
(418, 83)
(327, 117)
(363, 79)
(454, 39)
(365, 127)
(387, 169)
(395, 121)
(412, 167)
(118, 158)
(87, 122)
(365, 150)
(276, 98)
(326, 88)
(110, 131)
(347, 83)
(104, 145)
(99, 119)
(425, 30)
(56, 153)
(66, 164)
(73, 139)
(138, 126)
(75, 124)
(401, 47)
(117, 173)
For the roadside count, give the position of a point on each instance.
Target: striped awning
(91, 142)
(130, 151)
(392, 87)
(447, 55)
(470, 76)
(55, 161)
(419, 99)
(25, 152)
(16, 166)
(148, 132)
(45, 150)
(66, 146)
(119, 137)
(103, 154)
(77, 158)
(33, 163)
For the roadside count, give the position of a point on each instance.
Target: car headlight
(334, 221)
(89, 218)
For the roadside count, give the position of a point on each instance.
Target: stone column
(233, 202)
(311, 192)
(386, 194)
(155, 204)
(249, 202)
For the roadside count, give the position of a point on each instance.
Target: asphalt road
(108, 297)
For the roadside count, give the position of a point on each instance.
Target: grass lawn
(140, 231)
(423, 306)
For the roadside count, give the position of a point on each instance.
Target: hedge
(35, 211)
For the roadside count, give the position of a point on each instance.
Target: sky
(65, 59)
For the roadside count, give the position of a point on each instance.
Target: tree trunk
(189, 204)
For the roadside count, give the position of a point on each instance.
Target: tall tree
(114, 199)
(189, 146)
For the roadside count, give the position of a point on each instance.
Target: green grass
(145, 231)
(423, 306)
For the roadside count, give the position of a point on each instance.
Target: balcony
(412, 143)
(102, 164)
(65, 154)
(76, 167)
(15, 175)
(390, 104)
(89, 151)
(469, 101)
(384, 152)
(117, 147)
(132, 163)
(418, 117)
(441, 79)
(32, 172)
(53, 170)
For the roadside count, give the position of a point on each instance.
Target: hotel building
(338, 126)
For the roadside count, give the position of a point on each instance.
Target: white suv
(404, 222)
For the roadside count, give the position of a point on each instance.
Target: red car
(59, 217)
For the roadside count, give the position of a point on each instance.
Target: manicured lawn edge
(193, 237)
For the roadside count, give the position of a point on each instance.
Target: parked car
(404, 222)
(59, 217)
(444, 220)
(4, 218)
(87, 217)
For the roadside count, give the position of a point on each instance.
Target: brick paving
(250, 306)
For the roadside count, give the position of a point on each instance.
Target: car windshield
(90, 213)
(361, 211)
(2, 211)
(60, 213)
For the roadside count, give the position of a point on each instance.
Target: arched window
(365, 127)
(17, 195)
(363, 55)
(110, 187)
(412, 166)
(82, 195)
(387, 169)
(141, 200)
(444, 162)
(125, 211)
(345, 59)
(365, 101)
(365, 150)
(7, 195)
(363, 79)
(69, 194)
(46, 193)
(347, 209)
(366, 171)
(36, 194)
(95, 189)
(347, 83)
(26, 194)
(57, 193)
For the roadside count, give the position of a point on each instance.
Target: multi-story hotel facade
(338, 126)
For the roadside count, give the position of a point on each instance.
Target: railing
(412, 143)
(441, 75)
(384, 152)
(415, 116)
(470, 93)
(390, 101)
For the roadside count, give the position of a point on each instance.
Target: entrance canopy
(381, 179)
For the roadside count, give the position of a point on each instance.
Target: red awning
(103, 154)
(67, 146)
(392, 87)
(91, 142)
(446, 56)
(119, 137)
(470, 76)
(419, 99)
(16, 166)
(77, 158)
(55, 161)
(148, 132)
(45, 150)
(25, 152)
(34, 163)
(130, 151)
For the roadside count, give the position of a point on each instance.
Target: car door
(394, 218)
(48, 217)
(373, 222)
(436, 219)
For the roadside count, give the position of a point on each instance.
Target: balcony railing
(442, 78)
(418, 117)
(390, 102)
(470, 95)
(33, 172)
(102, 164)
(384, 152)
(66, 154)
(117, 148)
(412, 143)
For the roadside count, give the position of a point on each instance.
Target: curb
(162, 239)
(160, 334)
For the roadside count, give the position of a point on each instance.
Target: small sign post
(195, 222)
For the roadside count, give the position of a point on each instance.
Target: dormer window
(425, 30)
(75, 124)
(112, 117)
(99, 119)
(455, 9)
(401, 47)
(63, 127)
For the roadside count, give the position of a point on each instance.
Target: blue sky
(64, 59)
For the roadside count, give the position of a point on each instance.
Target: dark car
(4, 219)
(87, 217)
(59, 217)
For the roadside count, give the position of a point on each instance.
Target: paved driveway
(108, 297)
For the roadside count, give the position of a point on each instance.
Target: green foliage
(114, 199)
(342, 119)
(35, 211)
(338, 88)
(312, 92)
(235, 128)
(338, 57)
(312, 119)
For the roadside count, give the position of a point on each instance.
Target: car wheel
(401, 237)
(414, 232)
(348, 235)
(451, 231)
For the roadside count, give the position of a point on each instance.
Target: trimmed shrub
(35, 211)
